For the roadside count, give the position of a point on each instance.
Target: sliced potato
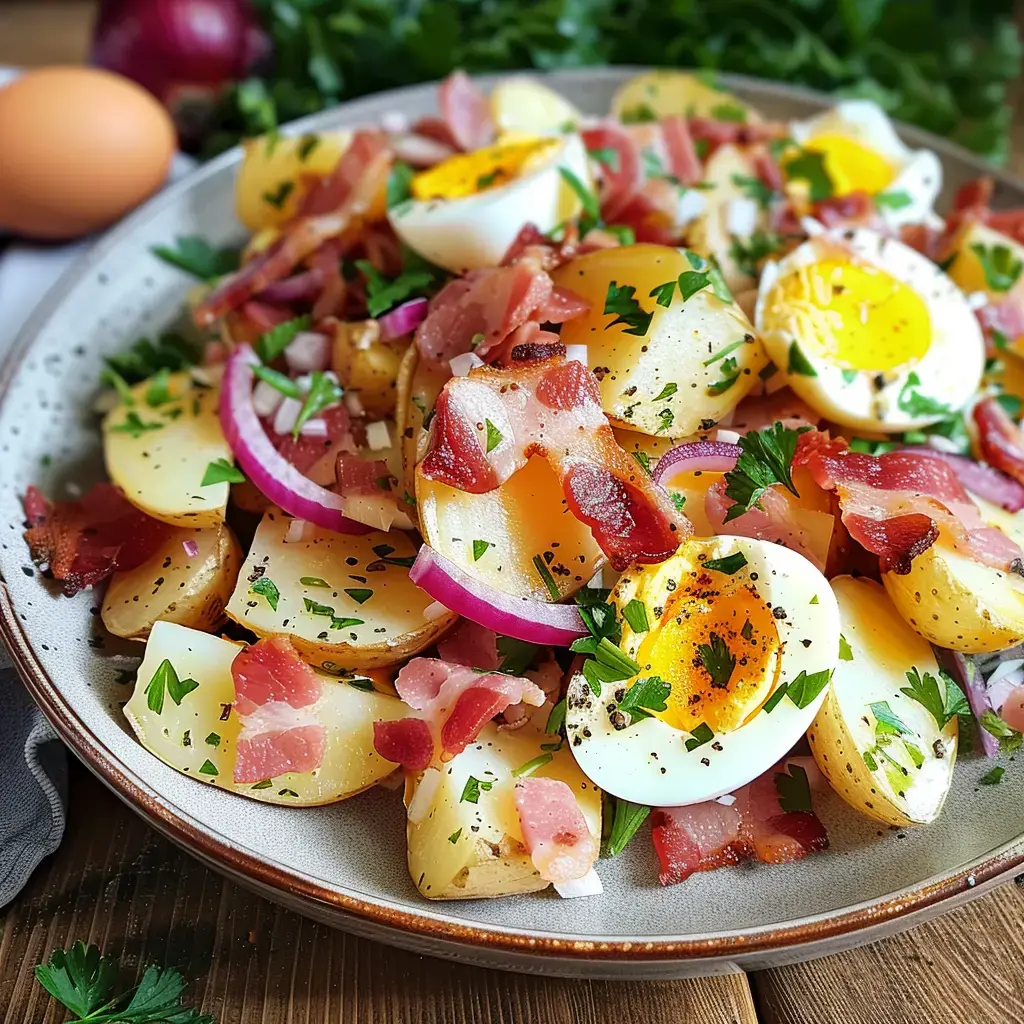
(464, 850)
(198, 736)
(882, 751)
(694, 362)
(523, 523)
(345, 600)
(960, 603)
(966, 268)
(276, 173)
(157, 451)
(175, 586)
(368, 366)
(524, 104)
(657, 94)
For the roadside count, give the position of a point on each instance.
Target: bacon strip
(456, 703)
(555, 832)
(331, 209)
(703, 837)
(87, 540)
(683, 162)
(466, 112)
(894, 504)
(275, 691)
(470, 644)
(1002, 442)
(488, 424)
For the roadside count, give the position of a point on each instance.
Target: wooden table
(117, 883)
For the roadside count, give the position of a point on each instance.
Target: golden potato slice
(464, 850)
(345, 600)
(276, 173)
(658, 94)
(198, 735)
(175, 586)
(882, 751)
(679, 372)
(159, 447)
(368, 366)
(519, 538)
(524, 104)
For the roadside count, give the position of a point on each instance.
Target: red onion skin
(970, 681)
(304, 286)
(456, 590)
(984, 481)
(703, 456)
(403, 319)
(185, 52)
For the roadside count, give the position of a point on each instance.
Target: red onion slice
(966, 674)
(984, 481)
(698, 456)
(536, 622)
(278, 480)
(403, 319)
(306, 285)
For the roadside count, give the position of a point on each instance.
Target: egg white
(949, 372)
(476, 230)
(648, 762)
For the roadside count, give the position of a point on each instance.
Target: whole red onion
(185, 52)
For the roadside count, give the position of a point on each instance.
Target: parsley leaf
(197, 257)
(267, 589)
(728, 565)
(799, 363)
(794, 789)
(608, 156)
(625, 818)
(591, 207)
(324, 392)
(385, 553)
(165, 680)
(479, 548)
(516, 655)
(805, 688)
(916, 404)
(145, 358)
(756, 189)
(662, 293)
(135, 426)
(666, 392)
(280, 195)
(718, 660)
(221, 471)
(711, 270)
(810, 167)
(635, 613)
(644, 696)
(892, 200)
(384, 292)
(1009, 738)
(942, 703)
(359, 594)
(993, 777)
(845, 650)
(626, 309)
(473, 788)
(699, 735)
(79, 978)
(273, 342)
(766, 460)
(1000, 267)
(399, 188)
(494, 436)
(888, 721)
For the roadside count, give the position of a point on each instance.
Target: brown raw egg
(79, 148)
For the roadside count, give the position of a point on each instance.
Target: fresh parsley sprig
(766, 459)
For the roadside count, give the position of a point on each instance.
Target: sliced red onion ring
(278, 480)
(984, 481)
(306, 285)
(963, 670)
(521, 617)
(403, 319)
(698, 456)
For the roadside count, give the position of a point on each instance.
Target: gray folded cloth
(34, 795)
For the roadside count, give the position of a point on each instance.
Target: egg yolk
(717, 645)
(467, 174)
(852, 166)
(857, 316)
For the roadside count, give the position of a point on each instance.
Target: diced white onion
(813, 226)
(977, 300)
(588, 885)
(727, 436)
(741, 217)
(307, 352)
(378, 437)
(1005, 669)
(461, 365)
(692, 203)
(423, 796)
(727, 800)
(298, 531)
(943, 444)
(266, 399)
(435, 610)
(577, 352)
(286, 415)
(314, 428)
(353, 403)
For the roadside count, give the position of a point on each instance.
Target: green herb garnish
(220, 471)
(620, 303)
(766, 460)
(267, 589)
(197, 257)
(165, 680)
(718, 660)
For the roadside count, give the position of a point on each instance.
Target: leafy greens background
(942, 65)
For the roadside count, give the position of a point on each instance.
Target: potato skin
(174, 586)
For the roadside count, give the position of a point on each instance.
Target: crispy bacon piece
(336, 206)
(356, 475)
(488, 424)
(894, 504)
(1005, 316)
(853, 208)
(275, 694)
(719, 133)
(466, 112)
(767, 169)
(456, 703)
(623, 176)
(87, 540)
(981, 480)
(683, 162)
(470, 644)
(555, 832)
(703, 837)
(1002, 442)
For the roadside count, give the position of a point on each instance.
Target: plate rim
(867, 916)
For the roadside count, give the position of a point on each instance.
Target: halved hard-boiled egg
(875, 739)
(467, 210)
(861, 152)
(869, 332)
(736, 640)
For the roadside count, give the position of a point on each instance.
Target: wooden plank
(117, 883)
(36, 32)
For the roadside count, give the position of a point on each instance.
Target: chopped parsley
(729, 112)
(556, 720)
(888, 721)
(942, 703)
(728, 565)
(799, 363)
(494, 436)
(605, 155)
(165, 680)
(158, 392)
(645, 696)
(531, 766)
(803, 690)
(1000, 267)
(677, 499)
(324, 392)
(212, 740)
(723, 352)
(772, 702)
(273, 342)
(135, 426)
(662, 293)
(314, 581)
(794, 789)
(220, 471)
(307, 143)
(810, 167)
(454, 837)
(755, 188)
(845, 650)
(916, 404)
(642, 113)
(621, 303)
(473, 788)
(643, 461)
(730, 374)
(707, 269)
(635, 613)
(267, 589)
(591, 207)
(892, 200)
(280, 195)
(399, 187)
(385, 552)
(718, 661)
(665, 419)
(766, 459)
(699, 735)
(849, 376)
(208, 768)
(516, 655)
(384, 292)
(265, 784)
(278, 381)
(480, 548)
(545, 574)
(197, 257)
(359, 594)
(624, 818)
(623, 232)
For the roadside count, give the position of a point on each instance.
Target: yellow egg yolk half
(852, 166)
(717, 645)
(857, 316)
(468, 174)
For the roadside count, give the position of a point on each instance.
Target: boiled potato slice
(158, 451)
(368, 366)
(523, 104)
(502, 537)
(198, 736)
(345, 600)
(464, 850)
(694, 361)
(895, 769)
(957, 602)
(276, 173)
(175, 586)
(658, 94)
(966, 268)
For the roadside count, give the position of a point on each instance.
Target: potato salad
(648, 478)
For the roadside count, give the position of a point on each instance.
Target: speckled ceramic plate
(345, 864)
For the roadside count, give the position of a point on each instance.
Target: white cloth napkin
(32, 760)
